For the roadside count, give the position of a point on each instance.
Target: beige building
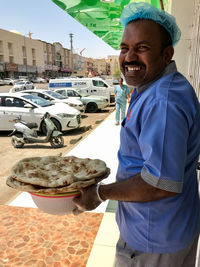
(78, 65)
(100, 66)
(20, 55)
(57, 60)
(96, 67)
(23, 56)
(114, 65)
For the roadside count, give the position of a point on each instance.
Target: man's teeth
(133, 68)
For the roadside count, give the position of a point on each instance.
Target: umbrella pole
(161, 4)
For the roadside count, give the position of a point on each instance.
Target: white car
(57, 98)
(91, 102)
(32, 108)
(8, 81)
(22, 85)
(1, 82)
(38, 80)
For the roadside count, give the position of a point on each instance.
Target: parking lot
(10, 155)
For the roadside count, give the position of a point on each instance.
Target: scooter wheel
(15, 143)
(57, 142)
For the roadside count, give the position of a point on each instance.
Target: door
(14, 107)
(100, 88)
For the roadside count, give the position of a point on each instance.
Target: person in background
(121, 95)
(156, 186)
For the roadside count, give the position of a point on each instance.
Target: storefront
(65, 72)
(11, 70)
(29, 71)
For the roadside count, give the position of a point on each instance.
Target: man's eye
(123, 49)
(142, 48)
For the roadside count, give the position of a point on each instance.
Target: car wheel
(91, 107)
(24, 87)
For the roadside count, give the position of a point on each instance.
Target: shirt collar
(171, 67)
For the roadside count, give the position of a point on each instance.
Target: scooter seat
(30, 125)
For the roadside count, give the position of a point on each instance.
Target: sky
(49, 23)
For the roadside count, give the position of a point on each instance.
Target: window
(18, 103)
(33, 53)
(1, 58)
(62, 92)
(11, 59)
(1, 101)
(10, 48)
(1, 47)
(44, 96)
(34, 62)
(71, 93)
(24, 51)
(24, 61)
(99, 83)
(13, 102)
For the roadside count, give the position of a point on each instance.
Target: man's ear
(168, 54)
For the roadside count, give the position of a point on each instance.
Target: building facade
(23, 56)
(20, 55)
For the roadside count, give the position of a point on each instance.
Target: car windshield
(54, 94)
(82, 94)
(19, 82)
(38, 100)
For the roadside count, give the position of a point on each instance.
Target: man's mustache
(132, 63)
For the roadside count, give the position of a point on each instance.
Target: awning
(102, 16)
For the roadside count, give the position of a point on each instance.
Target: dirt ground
(10, 155)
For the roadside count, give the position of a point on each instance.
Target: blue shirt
(160, 138)
(121, 93)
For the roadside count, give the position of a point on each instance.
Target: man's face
(141, 58)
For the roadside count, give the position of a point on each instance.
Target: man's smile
(133, 70)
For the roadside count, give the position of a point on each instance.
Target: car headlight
(65, 115)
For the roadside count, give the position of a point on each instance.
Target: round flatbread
(57, 171)
(21, 186)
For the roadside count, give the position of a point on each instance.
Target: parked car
(92, 102)
(9, 81)
(21, 85)
(38, 80)
(32, 109)
(57, 98)
(1, 82)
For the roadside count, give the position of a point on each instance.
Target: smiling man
(156, 186)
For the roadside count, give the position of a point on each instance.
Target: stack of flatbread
(56, 174)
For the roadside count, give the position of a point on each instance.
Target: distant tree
(117, 73)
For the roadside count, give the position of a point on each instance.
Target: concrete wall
(183, 12)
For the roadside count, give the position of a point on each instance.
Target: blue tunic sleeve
(163, 143)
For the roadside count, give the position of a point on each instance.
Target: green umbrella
(102, 16)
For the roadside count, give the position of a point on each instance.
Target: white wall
(182, 10)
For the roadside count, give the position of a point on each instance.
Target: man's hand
(87, 200)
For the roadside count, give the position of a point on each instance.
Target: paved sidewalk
(102, 143)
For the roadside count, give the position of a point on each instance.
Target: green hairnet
(143, 10)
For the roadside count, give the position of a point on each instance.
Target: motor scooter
(26, 133)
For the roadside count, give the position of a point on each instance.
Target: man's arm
(134, 189)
